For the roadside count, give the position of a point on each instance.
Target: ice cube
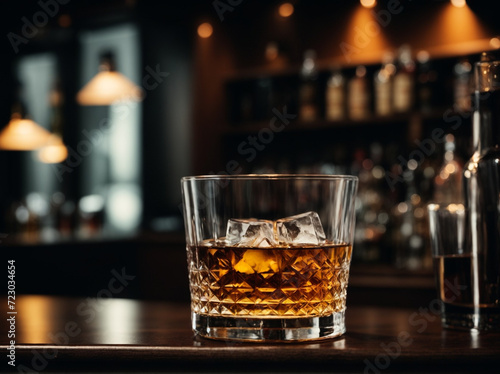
(303, 228)
(257, 261)
(250, 233)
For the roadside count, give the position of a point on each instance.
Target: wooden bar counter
(105, 333)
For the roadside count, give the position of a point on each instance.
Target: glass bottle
(383, 80)
(448, 181)
(410, 248)
(404, 81)
(359, 95)
(428, 89)
(335, 96)
(462, 85)
(308, 109)
(482, 194)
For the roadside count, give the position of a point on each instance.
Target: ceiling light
(368, 3)
(22, 134)
(458, 3)
(286, 10)
(54, 151)
(108, 86)
(205, 30)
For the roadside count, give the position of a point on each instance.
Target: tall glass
(453, 268)
(269, 255)
(459, 278)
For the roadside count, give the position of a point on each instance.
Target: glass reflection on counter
(117, 320)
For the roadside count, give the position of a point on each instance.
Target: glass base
(269, 329)
(468, 318)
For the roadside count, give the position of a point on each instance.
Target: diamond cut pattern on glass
(274, 282)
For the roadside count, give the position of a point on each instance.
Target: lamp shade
(108, 86)
(23, 134)
(54, 151)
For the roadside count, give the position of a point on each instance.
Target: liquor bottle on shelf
(358, 101)
(427, 88)
(383, 81)
(410, 245)
(448, 181)
(462, 85)
(371, 213)
(335, 96)
(482, 192)
(308, 93)
(404, 81)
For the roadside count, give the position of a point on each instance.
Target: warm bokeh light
(205, 30)
(272, 51)
(445, 38)
(495, 42)
(23, 135)
(364, 40)
(37, 324)
(286, 10)
(368, 3)
(458, 3)
(108, 87)
(470, 25)
(54, 151)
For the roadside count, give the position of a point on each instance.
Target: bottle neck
(486, 121)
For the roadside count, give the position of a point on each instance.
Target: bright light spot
(415, 241)
(124, 207)
(419, 212)
(205, 30)
(406, 229)
(495, 42)
(37, 204)
(412, 164)
(117, 319)
(415, 199)
(423, 56)
(22, 214)
(450, 168)
(458, 3)
(286, 10)
(91, 204)
(402, 208)
(378, 172)
(369, 233)
(368, 3)
(53, 154)
(453, 208)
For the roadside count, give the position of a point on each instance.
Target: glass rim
(328, 177)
